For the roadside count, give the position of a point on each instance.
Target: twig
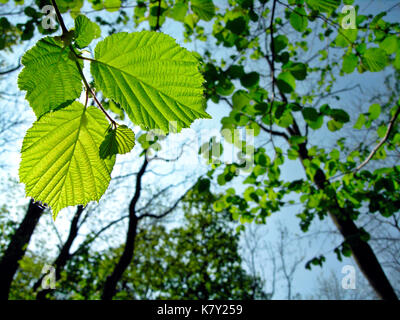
(274, 132)
(59, 17)
(165, 213)
(89, 89)
(158, 16)
(379, 145)
(271, 31)
(10, 70)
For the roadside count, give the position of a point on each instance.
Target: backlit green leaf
(390, 44)
(334, 125)
(298, 19)
(204, 9)
(298, 70)
(374, 111)
(85, 31)
(350, 62)
(360, 122)
(324, 5)
(286, 82)
(60, 162)
(117, 141)
(179, 11)
(154, 79)
(374, 59)
(50, 77)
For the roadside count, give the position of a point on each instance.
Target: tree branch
(380, 144)
(168, 211)
(59, 17)
(11, 70)
(158, 16)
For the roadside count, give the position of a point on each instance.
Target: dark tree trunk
(17, 247)
(110, 286)
(123, 263)
(365, 258)
(361, 250)
(64, 254)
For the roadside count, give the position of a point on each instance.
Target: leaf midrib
(147, 84)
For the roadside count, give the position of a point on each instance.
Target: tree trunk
(64, 254)
(361, 250)
(123, 263)
(110, 286)
(17, 247)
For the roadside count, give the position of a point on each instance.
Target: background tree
(198, 260)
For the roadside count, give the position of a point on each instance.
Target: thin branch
(274, 132)
(138, 187)
(11, 70)
(158, 16)
(335, 92)
(97, 234)
(165, 213)
(59, 17)
(162, 191)
(89, 89)
(380, 144)
(272, 63)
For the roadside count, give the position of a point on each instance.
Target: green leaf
(334, 125)
(109, 5)
(293, 154)
(85, 31)
(50, 77)
(235, 71)
(112, 5)
(298, 70)
(350, 62)
(324, 5)
(340, 115)
(286, 82)
(280, 43)
(396, 62)
(298, 19)
(360, 122)
(249, 80)
(151, 77)
(117, 141)
(346, 37)
(60, 162)
(240, 99)
(204, 9)
(237, 25)
(312, 117)
(179, 11)
(310, 114)
(374, 59)
(285, 120)
(374, 111)
(390, 44)
(225, 87)
(157, 14)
